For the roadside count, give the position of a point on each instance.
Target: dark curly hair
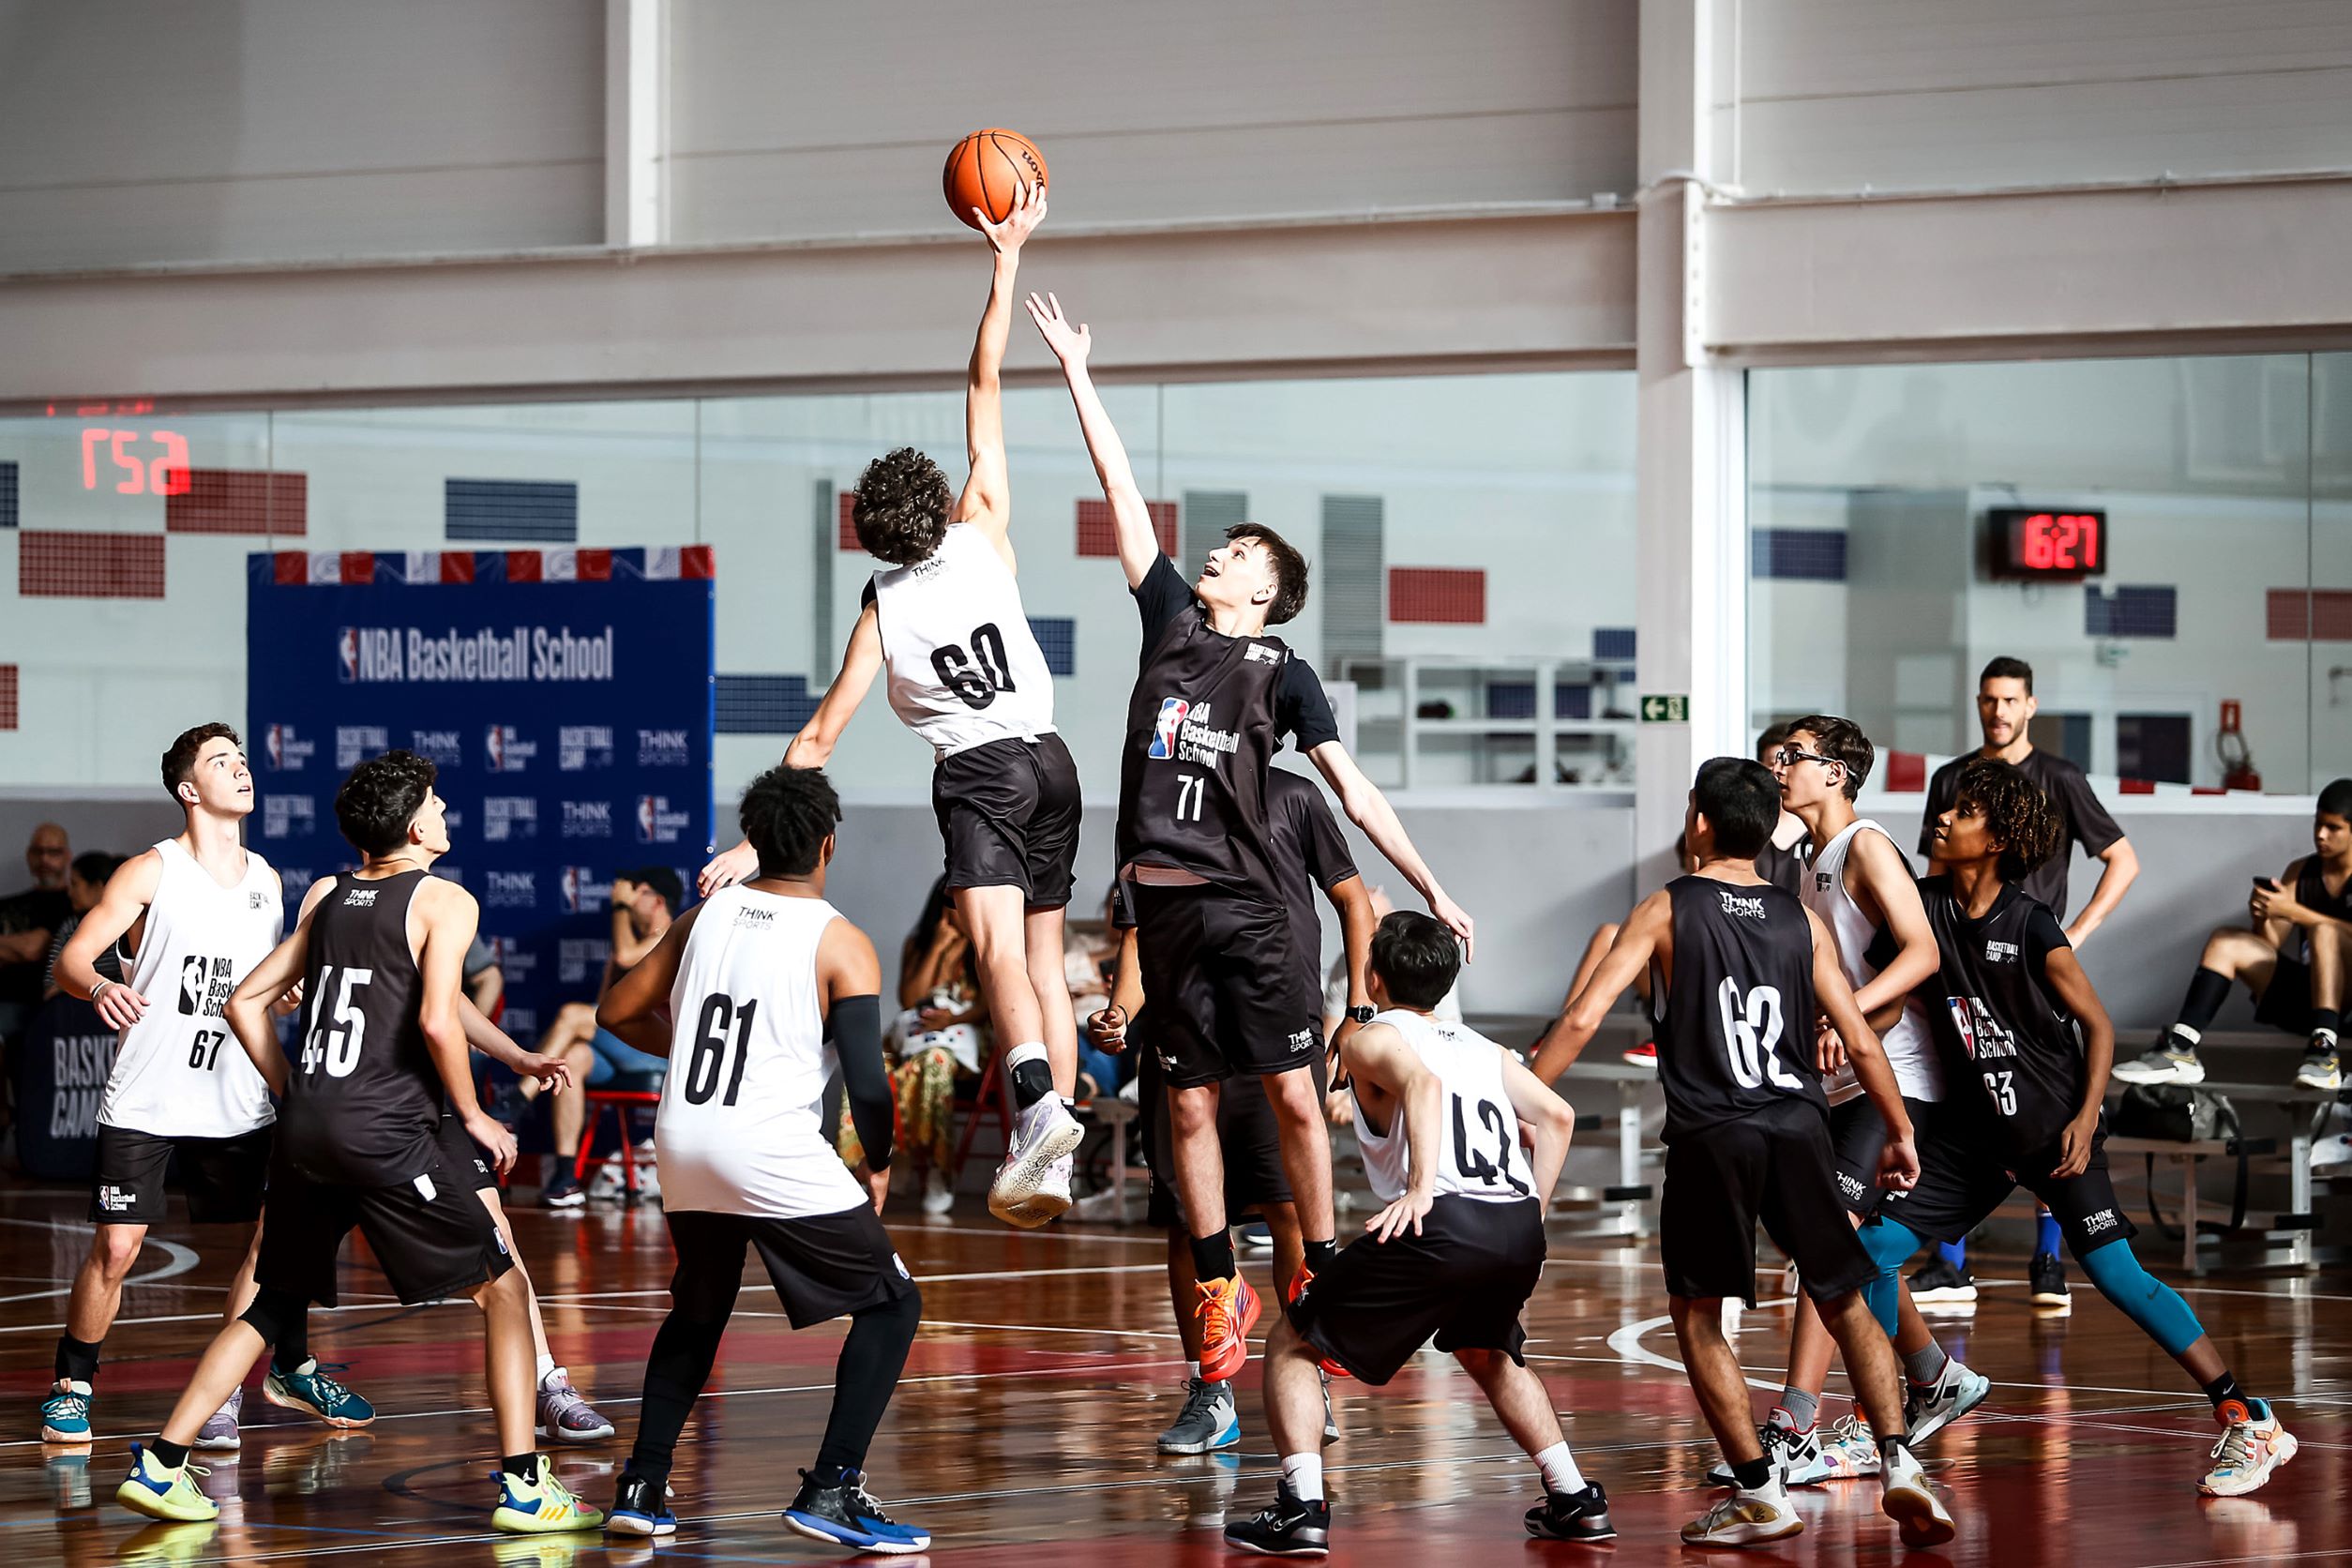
(901, 508)
(788, 813)
(2017, 815)
(1289, 570)
(381, 798)
(179, 762)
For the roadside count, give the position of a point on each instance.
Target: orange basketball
(986, 171)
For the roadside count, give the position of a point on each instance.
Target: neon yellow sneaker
(541, 1507)
(168, 1546)
(169, 1494)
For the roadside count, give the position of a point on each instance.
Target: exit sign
(1666, 710)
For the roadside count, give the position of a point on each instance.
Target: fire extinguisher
(2237, 769)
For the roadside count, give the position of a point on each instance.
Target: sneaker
(2332, 1153)
(2048, 1281)
(1955, 1392)
(606, 1185)
(1572, 1515)
(1744, 1519)
(158, 1493)
(565, 1415)
(310, 1388)
(1228, 1310)
(1850, 1451)
(1291, 1528)
(1796, 1456)
(2253, 1444)
(1256, 1236)
(843, 1512)
(1209, 1419)
(541, 1507)
(2170, 1060)
(640, 1507)
(1331, 1417)
(2320, 1068)
(1643, 1055)
(1041, 1136)
(1912, 1504)
(65, 1413)
(219, 1431)
(1051, 1199)
(562, 1189)
(1938, 1281)
(938, 1196)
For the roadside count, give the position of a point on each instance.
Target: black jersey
(2000, 1027)
(2310, 891)
(364, 1101)
(1735, 1033)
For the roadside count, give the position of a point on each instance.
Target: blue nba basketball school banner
(567, 696)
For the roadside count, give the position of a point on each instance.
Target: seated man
(2292, 960)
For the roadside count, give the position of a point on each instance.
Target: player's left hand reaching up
(1005, 238)
(1456, 919)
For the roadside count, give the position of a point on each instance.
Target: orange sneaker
(1299, 1282)
(1228, 1311)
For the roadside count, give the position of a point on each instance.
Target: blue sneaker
(1208, 1422)
(842, 1512)
(641, 1507)
(65, 1414)
(311, 1389)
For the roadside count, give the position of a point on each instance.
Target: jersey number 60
(975, 677)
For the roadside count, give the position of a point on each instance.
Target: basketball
(986, 171)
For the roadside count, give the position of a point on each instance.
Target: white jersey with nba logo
(1909, 1051)
(964, 669)
(740, 1128)
(1478, 1144)
(179, 1071)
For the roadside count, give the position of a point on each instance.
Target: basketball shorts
(224, 1177)
(1963, 1178)
(822, 1265)
(1246, 1132)
(460, 1153)
(1009, 814)
(2285, 1001)
(432, 1237)
(1773, 1167)
(1858, 1133)
(1462, 1280)
(1225, 994)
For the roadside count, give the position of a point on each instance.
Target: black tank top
(1201, 737)
(1735, 1034)
(363, 1102)
(2310, 891)
(2018, 1052)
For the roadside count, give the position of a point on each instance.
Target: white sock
(1559, 1466)
(1032, 1050)
(1191, 1369)
(546, 1366)
(2184, 1034)
(1303, 1474)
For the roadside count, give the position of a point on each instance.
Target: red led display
(2036, 544)
(136, 462)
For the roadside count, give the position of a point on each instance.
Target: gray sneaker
(2321, 1068)
(1331, 1419)
(1209, 1420)
(221, 1429)
(2169, 1060)
(565, 1415)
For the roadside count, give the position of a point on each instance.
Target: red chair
(619, 1101)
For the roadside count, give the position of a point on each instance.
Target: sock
(1303, 1474)
(2208, 990)
(2326, 1021)
(1891, 1449)
(1192, 1370)
(77, 1359)
(524, 1467)
(1559, 1468)
(1801, 1408)
(1923, 1367)
(546, 1369)
(2224, 1389)
(1749, 1474)
(1954, 1253)
(1321, 1256)
(2045, 1234)
(1212, 1257)
(172, 1455)
(1032, 1079)
(294, 1343)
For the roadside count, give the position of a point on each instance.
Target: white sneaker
(606, 1185)
(1053, 1195)
(1912, 1504)
(1041, 1136)
(2251, 1448)
(938, 1196)
(221, 1433)
(1850, 1451)
(2332, 1153)
(1955, 1392)
(1796, 1456)
(1744, 1519)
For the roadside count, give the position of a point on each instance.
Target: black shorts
(1858, 1133)
(1225, 994)
(821, 1266)
(1962, 1180)
(1246, 1132)
(430, 1235)
(1464, 1279)
(1773, 1165)
(224, 1177)
(1009, 813)
(460, 1153)
(2285, 1001)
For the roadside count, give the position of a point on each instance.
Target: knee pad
(1888, 1242)
(272, 1313)
(2156, 1307)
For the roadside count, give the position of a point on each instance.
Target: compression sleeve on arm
(856, 1026)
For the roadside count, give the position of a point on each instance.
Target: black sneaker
(1573, 1517)
(641, 1507)
(842, 1512)
(1291, 1528)
(2048, 1279)
(1938, 1281)
(562, 1189)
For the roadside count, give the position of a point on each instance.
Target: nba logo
(1963, 1021)
(193, 969)
(570, 887)
(1173, 711)
(644, 819)
(347, 655)
(274, 746)
(494, 746)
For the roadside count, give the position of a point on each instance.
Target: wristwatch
(1364, 1012)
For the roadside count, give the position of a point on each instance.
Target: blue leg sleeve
(1954, 1253)
(1889, 1246)
(2148, 1301)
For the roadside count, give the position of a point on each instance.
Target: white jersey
(740, 1127)
(1910, 1050)
(964, 669)
(180, 1073)
(1478, 1142)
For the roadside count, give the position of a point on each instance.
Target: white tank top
(739, 1130)
(1909, 1051)
(180, 1073)
(964, 667)
(1479, 1155)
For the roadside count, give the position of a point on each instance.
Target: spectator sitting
(28, 922)
(484, 982)
(939, 1036)
(85, 882)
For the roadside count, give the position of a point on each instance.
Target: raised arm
(1369, 810)
(1649, 928)
(987, 501)
(128, 892)
(1138, 546)
(637, 1009)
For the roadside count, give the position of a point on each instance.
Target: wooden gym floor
(1045, 1366)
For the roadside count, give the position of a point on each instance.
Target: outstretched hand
(1070, 345)
(1027, 212)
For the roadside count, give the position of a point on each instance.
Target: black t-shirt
(36, 909)
(1302, 706)
(2310, 891)
(1735, 1030)
(2016, 1052)
(2081, 819)
(1785, 868)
